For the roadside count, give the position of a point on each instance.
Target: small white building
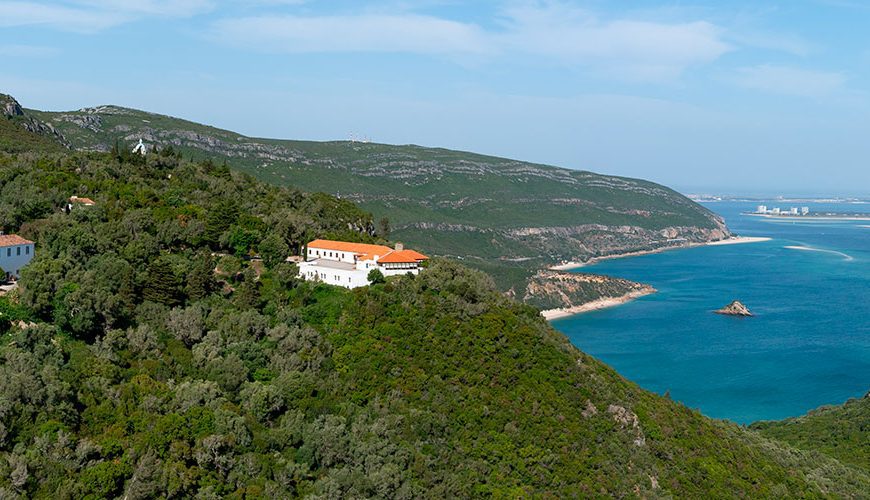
(77, 201)
(348, 265)
(15, 253)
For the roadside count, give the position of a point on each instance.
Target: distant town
(800, 212)
(763, 209)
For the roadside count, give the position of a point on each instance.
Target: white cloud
(362, 33)
(788, 80)
(551, 33)
(89, 16)
(642, 49)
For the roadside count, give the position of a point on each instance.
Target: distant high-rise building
(762, 209)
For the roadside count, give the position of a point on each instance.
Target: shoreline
(734, 240)
(596, 305)
(838, 218)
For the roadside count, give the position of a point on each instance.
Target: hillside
(841, 431)
(506, 217)
(146, 354)
(19, 132)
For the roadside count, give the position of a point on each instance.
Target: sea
(808, 344)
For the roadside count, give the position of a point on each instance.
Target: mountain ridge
(506, 217)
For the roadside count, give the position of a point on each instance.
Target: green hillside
(146, 354)
(841, 431)
(506, 217)
(14, 134)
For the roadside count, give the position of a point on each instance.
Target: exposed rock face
(627, 419)
(553, 289)
(11, 109)
(9, 106)
(735, 308)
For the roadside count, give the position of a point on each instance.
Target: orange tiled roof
(402, 257)
(84, 201)
(368, 252)
(11, 240)
(357, 248)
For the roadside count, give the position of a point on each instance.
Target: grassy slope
(841, 431)
(14, 138)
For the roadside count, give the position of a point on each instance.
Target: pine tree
(163, 286)
(200, 279)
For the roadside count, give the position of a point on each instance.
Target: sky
(729, 96)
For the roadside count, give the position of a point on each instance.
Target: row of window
(402, 265)
(17, 251)
(328, 254)
(312, 274)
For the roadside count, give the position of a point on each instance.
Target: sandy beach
(735, 240)
(595, 305)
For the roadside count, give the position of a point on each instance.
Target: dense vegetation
(149, 353)
(841, 431)
(508, 218)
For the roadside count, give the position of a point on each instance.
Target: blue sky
(724, 96)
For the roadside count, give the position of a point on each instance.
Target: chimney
(399, 247)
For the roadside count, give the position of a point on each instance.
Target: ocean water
(808, 345)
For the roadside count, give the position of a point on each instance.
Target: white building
(76, 201)
(762, 209)
(348, 264)
(805, 210)
(15, 253)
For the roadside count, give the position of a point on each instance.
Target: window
(9, 252)
(27, 250)
(18, 250)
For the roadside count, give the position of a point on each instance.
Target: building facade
(15, 253)
(348, 265)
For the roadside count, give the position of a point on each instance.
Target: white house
(15, 253)
(349, 264)
(76, 201)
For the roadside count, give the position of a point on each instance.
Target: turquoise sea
(808, 345)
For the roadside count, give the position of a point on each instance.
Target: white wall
(14, 258)
(322, 253)
(339, 277)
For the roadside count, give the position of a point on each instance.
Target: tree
(273, 250)
(200, 279)
(162, 285)
(219, 219)
(384, 228)
(376, 276)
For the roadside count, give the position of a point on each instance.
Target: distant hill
(19, 132)
(507, 217)
(841, 431)
(146, 354)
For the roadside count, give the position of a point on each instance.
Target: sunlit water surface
(808, 345)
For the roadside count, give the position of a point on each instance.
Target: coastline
(734, 240)
(595, 305)
(838, 218)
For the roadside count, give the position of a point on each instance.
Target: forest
(161, 345)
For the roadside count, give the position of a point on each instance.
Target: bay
(808, 345)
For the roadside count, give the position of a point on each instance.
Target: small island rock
(735, 308)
